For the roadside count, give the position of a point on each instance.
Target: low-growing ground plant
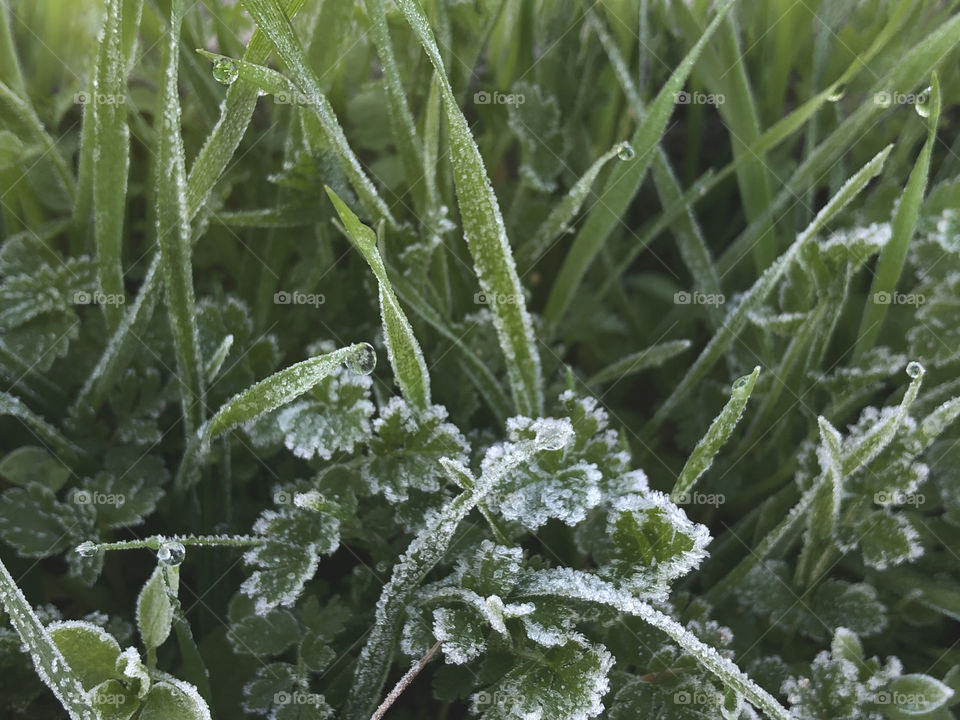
(509, 359)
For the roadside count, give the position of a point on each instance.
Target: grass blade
(894, 253)
(406, 357)
(486, 236)
(719, 432)
(47, 658)
(650, 357)
(764, 286)
(623, 183)
(110, 169)
(275, 24)
(173, 232)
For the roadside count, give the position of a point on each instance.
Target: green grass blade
(10, 71)
(173, 233)
(486, 236)
(275, 24)
(764, 285)
(47, 658)
(563, 213)
(893, 255)
(267, 395)
(406, 357)
(650, 357)
(110, 169)
(401, 119)
(623, 183)
(717, 435)
(904, 76)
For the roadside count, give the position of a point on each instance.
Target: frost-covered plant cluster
(507, 359)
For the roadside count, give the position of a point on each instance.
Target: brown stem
(403, 682)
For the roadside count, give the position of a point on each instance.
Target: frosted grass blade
(650, 357)
(47, 659)
(764, 285)
(719, 432)
(894, 253)
(486, 236)
(406, 357)
(173, 232)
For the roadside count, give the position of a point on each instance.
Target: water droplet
(741, 382)
(922, 104)
(225, 71)
(914, 369)
(554, 440)
(171, 553)
(625, 151)
(363, 360)
(87, 549)
(837, 94)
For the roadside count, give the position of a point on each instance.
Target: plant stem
(403, 682)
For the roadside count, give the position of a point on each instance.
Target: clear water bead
(741, 382)
(87, 549)
(363, 360)
(922, 104)
(225, 71)
(914, 369)
(625, 151)
(171, 553)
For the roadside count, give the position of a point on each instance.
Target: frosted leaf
(886, 539)
(856, 245)
(460, 634)
(280, 693)
(649, 543)
(334, 417)
(564, 682)
(876, 365)
(89, 650)
(171, 697)
(38, 525)
(492, 569)
(295, 538)
(934, 335)
(155, 608)
(406, 448)
(127, 490)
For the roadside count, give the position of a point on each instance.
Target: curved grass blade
(563, 213)
(719, 432)
(110, 169)
(623, 183)
(48, 661)
(406, 357)
(584, 587)
(486, 236)
(173, 232)
(650, 357)
(904, 223)
(12, 405)
(275, 24)
(764, 285)
(268, 394)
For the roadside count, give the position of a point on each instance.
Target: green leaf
(406, 357)
(154, 609)
(114, 701)
(918, 694)
(174, 698)
(486, 236)
(32, 464)
(50, 526)
(90, 651)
